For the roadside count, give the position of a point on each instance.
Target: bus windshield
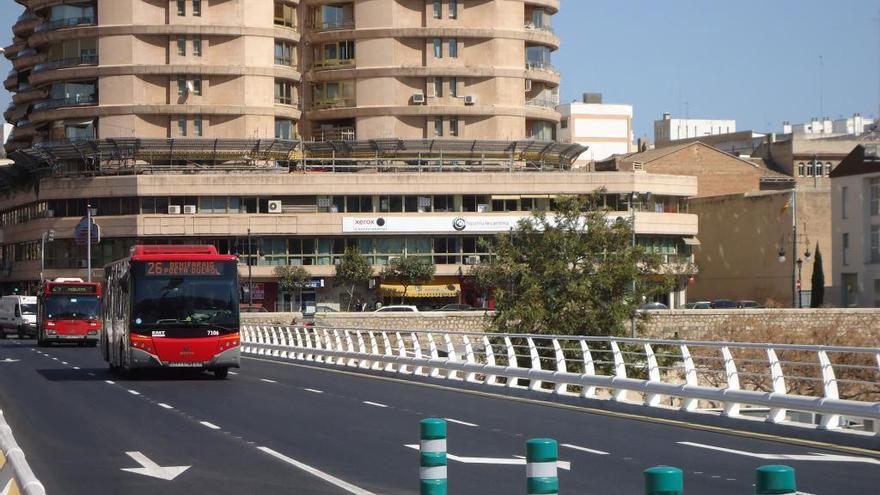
(72, 307)
(186, 300)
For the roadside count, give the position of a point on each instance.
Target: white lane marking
(76, 367)
(133, 392)
(210, 425)
(787, 457)
(584, 449)
(63, 362)
(465, 423)
(233, 373)
(54, 359)
(152, 469)
(515, 461)
(315, 472)
(267, 380)
(111, 382)
(374, 404)
(164, 405)
(314, 391)
(91, 374)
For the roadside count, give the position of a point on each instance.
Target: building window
(875, 243)
(563, 124)
(181, 126)
(197, 87)
(810, 169)
(453, 48)
(283, 53)
(438, 48)
(284, 129)
(453, 87)
(438, 127)
(828, 169)
(874, 185)
(845, 248)
(843, 191)
(197, 46)
(181, 7)
(453, 126)
(197, 127)
(283, 14)
(197, 8)
(284, 92)
(438, 11)
(181, 46)
(453, 9)
(181, 86)
(438, 87)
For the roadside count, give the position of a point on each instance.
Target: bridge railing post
(664, 480)
(542, 455)
(432, 457)
(775, 479)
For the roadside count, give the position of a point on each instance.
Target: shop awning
(438, 289)
(691, 241)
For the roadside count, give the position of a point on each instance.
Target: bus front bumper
(230, 358)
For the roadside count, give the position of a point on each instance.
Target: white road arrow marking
(152, 469)
(8, 360)
(815, 457)
(500, 461)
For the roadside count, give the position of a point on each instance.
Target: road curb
(14, 467)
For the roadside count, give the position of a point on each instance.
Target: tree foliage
(817, 296)
(292, 278)
(353, 269)
(408, 271)
(570, 272)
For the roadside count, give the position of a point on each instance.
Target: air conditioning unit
(528, 85)
(418, 98)
(48, 213)
(189, 209)
(325, 201)
(470, 100)
(482, 208)
(472, 260)
(275, 206)
(174, 209)
(425, 201)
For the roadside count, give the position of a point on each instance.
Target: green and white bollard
(541, 457)
(432, 454)
(664, 480)
(775, 480)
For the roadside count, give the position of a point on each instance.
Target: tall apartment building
(261, 69)
(674, 129)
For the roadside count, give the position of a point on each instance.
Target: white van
(18, 315)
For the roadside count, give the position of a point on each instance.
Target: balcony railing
(64, 23)
(332, 63)
(548, 29)
(65, 102)
(67, 62)
(539, 65)
(551, 101)
(333, 103)
(334, 134)
(27, 52)
(333, 25)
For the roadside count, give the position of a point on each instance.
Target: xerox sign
(431, 224)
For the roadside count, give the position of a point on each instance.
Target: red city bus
(172, 307)
(69, 310)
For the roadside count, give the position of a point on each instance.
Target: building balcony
(334, 134)
(330, 103)
(551, 101)
(333, 63)
(26, 23)
(538, 65)
(65, 102)
(11, 81)
(546, 29)
(67, 62)
(332, 25)
(64, 23)
(26, 93)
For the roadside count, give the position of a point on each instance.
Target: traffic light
(16, 290)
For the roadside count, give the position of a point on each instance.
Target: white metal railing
(834, 387)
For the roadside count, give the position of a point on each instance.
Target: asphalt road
(280, 428)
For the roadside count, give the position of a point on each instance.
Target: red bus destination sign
(184, 268)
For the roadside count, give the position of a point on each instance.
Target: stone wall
(855, 327)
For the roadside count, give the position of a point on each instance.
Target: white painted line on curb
(465, 423)
(164, 405)
(210, 425)
(110, 382)
(133, 392)
(267, 380)
(314, 391)
(314, 472)
(374, 404)
(584, 449)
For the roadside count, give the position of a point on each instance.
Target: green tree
(292, 278)
(817, 296)
(408, 271)
(353, 269)
(569, 272)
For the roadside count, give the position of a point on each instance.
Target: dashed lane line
(314, 391)
(375, 404)
(458, 422)
(133, 392)
(164, 405)
(355, 490)
(109, 382)
(584, 449)
(209, 425)
(267, 380)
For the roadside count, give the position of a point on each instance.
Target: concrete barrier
(15, 474)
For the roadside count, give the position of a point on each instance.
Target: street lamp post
(250, 279)
(48, 236)
(799, 263)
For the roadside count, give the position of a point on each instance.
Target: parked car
(456, 307)
(723, 304)
(397, 309)
(698, 305)
(18, 315)
(653, 306)
(746, 304)
(252, 308)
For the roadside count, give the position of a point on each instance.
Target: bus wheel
(221, 373)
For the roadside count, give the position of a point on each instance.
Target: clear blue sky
(756, 61)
